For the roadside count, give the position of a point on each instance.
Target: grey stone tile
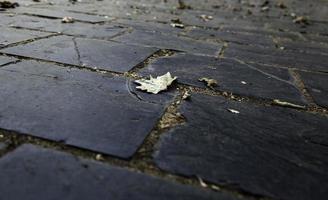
(60, 12)
(97, 31)
(263, 82)
(85, 52)
(172, 42)
(31, 172)
(10, 35)
(316, 85)
(80, 108)
(314, 62)
(270, 151)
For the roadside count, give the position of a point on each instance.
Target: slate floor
(74, 126)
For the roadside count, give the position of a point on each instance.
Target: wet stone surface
(5, 60)
(77, 28)
(307, 61)
(242, 79)
(85, 52)
(27, 169)
(10, 36)
(316, 85)
(172, 42)
(79, 108)
(271, 151)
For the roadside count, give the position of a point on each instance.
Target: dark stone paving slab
(262, 150)
(263, 82)
(10, 35)
(316, 85)
(313, 62)
(237, 37)
(104, 31)
(172, 42)
(5, 60)
(300, 46)
(87, 52)
(32, 172)
(80, 108)
(60, 12)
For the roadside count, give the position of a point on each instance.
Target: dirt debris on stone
(99, 157)
(156, 85)
(68, 20)
(182, 5)
(281, 5)
(8, 4)
(209, 82)
(287, 104)
(301, 20)
(201, 182)
(176, 25)
(186, 95)
(206, 18)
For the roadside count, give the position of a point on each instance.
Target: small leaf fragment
(155, 85)
(201, 182)
(67, 20)
(209, 82)
(186, 95)
(233, 111)
(287, 104)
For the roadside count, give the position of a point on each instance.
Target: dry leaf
(155, 85)
(67, 20)
(287, 104)
(209, 82)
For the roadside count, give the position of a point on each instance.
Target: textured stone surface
(98, 31)
(9, 35)
(316, 85)
(5, 60)
(263, 82)
(36, 173)
(60, 13)
(173, 42)
(314, 62)
(84, 109)
(85, 52)
(271, 151)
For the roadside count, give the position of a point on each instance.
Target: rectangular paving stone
(236, 37)
(103, 31)
(85, 52)
(60, 12)
(316, 85)
(269, 151)
(313, 62)
(32, 172)
(172, 42)
(5, 60)
(261, 81)
(10, 35)
(79, 108)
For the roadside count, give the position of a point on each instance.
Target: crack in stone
(263, 72)
(77, 51)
